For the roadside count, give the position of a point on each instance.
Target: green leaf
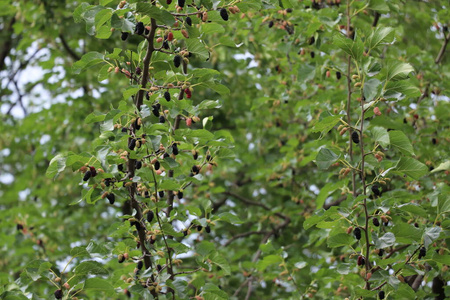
(99, 285)
(169, 184)
(325, 158)
(400, 90)
(406, 233)
(381, 136)
(56, 166)
(444, 166)
(379, 6)
(325, 191)
(340, 239)
(267, 261)
(411, 167)
(230, 218)
(397, 70)
(90, 267)
(400, 141)
(37, 268)
(198, 48)
(387, 240)
(372, 89)
(94, 117)
(204, 248)
(325, 125)
(430, 235)
(220, 261)
(381, 35)
(88, 60)
(159, 14)
(353, 48)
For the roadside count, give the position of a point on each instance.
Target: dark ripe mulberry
(120, 167)
(355, 137)
(195, 155)
(132, 144)
(270, 24)
(199, 227)
(181, 3)
(128, 293)
(166, 45)
(357, 233)
(150, 216)
(162, 119)
(159, 268)
(124, 36)
(146, 194)
(169, 2)
(124, 130)
(147, 31)
(208, 157)
(138, 164)
(361, 260)
(147, 96)
(177, 61)
(136, 124)
(188, 93)
(111, 197)
(375, 190)
(139, 265)
(381, 295)
(58, 294)
(434, 141)
(87, 175)
(175, 149)
(224, 14)
(180, 195)
(139, 28)
(289, 10)
(338, 75)
(208, 229)
(166, 155)
(121, 258)
(185, 232)
(157, 165)
(312, 54)
(93, 171)
(376, 222)
(155, 111)
(167, 96)
(380, 252)
(195, 169)
(161, 194)
(19, 227)
(422, 252)
(138, 71)
(189, 21)
(311, 40)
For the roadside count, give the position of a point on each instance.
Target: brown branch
(245, 234)
(68, 49)
(442, 51)
(334, 203)
(398, 271)
(7, 45)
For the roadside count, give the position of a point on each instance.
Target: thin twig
(442, 51)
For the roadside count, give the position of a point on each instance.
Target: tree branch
(442, 51)
(68, 49)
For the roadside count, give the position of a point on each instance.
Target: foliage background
(278, 92)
